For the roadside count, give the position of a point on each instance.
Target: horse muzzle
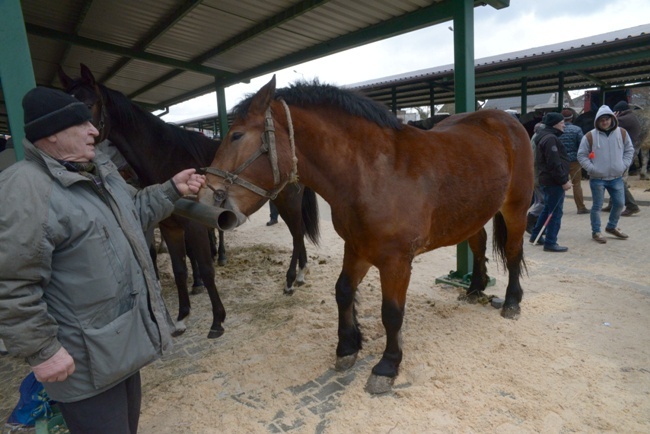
(211, 216)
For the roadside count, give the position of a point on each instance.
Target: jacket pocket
(118, 349)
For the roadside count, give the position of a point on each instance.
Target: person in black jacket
(552, 163)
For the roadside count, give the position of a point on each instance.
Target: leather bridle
(267, 147)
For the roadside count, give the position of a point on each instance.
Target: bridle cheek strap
(267, 147)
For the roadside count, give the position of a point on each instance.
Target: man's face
(76, 143)
(604, 122)
(559, 126)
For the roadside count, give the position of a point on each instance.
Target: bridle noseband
(267, 147)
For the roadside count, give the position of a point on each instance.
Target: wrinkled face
(76, 143)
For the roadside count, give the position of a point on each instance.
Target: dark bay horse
(395, 192)
(156, 151)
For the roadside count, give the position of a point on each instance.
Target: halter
(267, 147)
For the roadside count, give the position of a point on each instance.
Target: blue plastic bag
(33, 403)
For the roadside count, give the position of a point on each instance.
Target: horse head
(254, 162)
(87, 90)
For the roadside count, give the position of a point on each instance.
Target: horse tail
(499, 238)
(310, 223)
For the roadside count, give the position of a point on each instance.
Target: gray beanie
(48, 111)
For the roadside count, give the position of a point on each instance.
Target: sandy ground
(577, 360)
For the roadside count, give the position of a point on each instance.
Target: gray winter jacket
(612, 153)
(75, 271)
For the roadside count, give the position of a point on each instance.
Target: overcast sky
(523, 25)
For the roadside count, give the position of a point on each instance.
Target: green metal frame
(16, 70)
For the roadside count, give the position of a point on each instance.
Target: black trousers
(115, 411)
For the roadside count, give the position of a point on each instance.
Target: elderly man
(79, 300)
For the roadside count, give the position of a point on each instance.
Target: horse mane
(131, 117)
(305, 94)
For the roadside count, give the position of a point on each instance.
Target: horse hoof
(215, 333)
(180, 329)
(511, 312)
(288, 291)
(222, 262)
(198, 289)
(299, 282)
(346, 362)
(378, 384)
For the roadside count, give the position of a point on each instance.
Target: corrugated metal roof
(160, 52)
(607, 60)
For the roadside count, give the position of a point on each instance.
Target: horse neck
(325, 161)
(150, 148)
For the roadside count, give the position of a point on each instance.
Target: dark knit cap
(48, 111)
(621, 106)
(552, 118)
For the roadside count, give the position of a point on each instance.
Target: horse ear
(86, 75)
(263, 97)
(66, 81)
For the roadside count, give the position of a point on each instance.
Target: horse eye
(237, 136)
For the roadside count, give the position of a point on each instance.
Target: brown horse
(395, 191)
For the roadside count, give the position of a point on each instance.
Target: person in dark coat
(629, 121)
(552, 163)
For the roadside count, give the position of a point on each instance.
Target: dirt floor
(577, 360)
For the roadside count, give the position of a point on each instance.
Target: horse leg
(353, 271)
(221, 251)
(644, 155)
(197, 283)
(174, 237)
(478, 244)
(394, 275)
(509, 247)
(199, 239)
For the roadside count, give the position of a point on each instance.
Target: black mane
(305, 94)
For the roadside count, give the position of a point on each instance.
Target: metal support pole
(223, 112)
(16, 71)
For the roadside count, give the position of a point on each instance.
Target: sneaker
(271, 222)
(583, 211)
(555, 248)
(540, 242)
(628, 212)
(616, 232)
(598, 237)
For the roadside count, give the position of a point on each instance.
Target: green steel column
(465, 92)
(16, 71)
(524, 95)
(223, 112)
(560, 92)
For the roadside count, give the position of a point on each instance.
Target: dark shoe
(555, 248)
(598, 237)
(628, 212)
(608, 208)
(583, 211)
(271, 222)
(540, 242)
(617, 233)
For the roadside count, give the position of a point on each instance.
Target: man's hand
(567, 186)
(188, 181)
(56, 368)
